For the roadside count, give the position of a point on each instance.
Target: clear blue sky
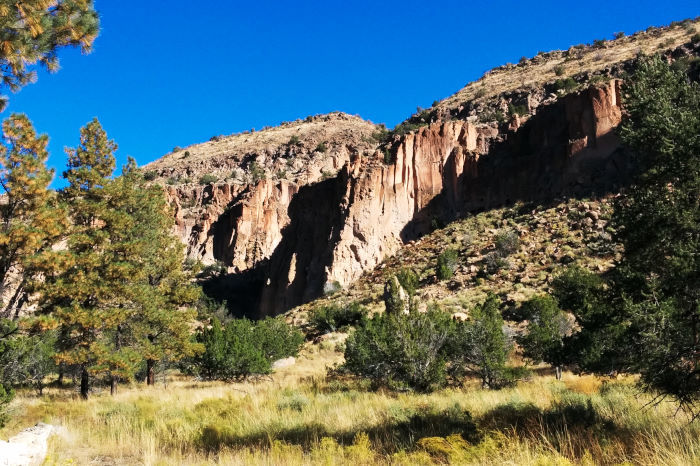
(165, 74)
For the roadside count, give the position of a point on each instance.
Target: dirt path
(26, 448)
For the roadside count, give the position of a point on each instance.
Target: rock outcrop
(349, 224)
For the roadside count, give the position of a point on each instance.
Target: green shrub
(517, 110)
(401, 351)
(321, 147)
(418, 351)
(523, 60)
(507, 242)
(331, 287)
(150, 175)
(332, 318)
(177, 149)
(619, 35)
(256, 172)
(242, 348)
(208, 179)
(389, 157)
(172, 180)
(294, 141)
(559, 70)
(6, 395)
(568, 84)
(695, 38)
(493, 262)
(480, 347)
(446, 264)
(408, 280)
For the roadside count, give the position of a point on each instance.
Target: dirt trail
(27, 448)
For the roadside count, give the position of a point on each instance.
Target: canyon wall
(284, 242)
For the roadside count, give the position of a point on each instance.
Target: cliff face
(293, 241)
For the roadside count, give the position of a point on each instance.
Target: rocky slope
(293, 221)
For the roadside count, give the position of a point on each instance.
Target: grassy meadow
(301, 416)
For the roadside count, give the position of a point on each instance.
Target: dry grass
(301, 417)
(540, 70)
(271, 148)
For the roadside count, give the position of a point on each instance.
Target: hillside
(283, 217)
(545, 239)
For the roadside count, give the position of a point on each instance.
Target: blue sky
(165, 74)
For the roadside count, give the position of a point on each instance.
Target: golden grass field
(300, 416)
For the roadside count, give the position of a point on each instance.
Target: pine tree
(161, 292)
(86, 294)
(32, 31)
(32, 220)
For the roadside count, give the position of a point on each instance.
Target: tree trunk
(84, 383)
(558, 372)
(150, 372)
(61, 368)
(113, 385)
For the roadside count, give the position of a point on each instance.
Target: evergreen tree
(32, 220)
(481, 348)
(658, 223)
(87, 292)
(161, 292)
(32, 31)
(547, 328)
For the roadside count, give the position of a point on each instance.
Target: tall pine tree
(32, 220)
(161, 293)
(86, 296)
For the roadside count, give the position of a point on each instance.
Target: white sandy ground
(27, 448)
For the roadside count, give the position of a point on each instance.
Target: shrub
(446, 264)
(186, 154)
(208, 179)
(321, 147)
(408, 280)
(418, 351)
(568, 84)
(695, 38)
(256, 172)
(242, 348)
(177, 149)
(332, 318)
(150, 175)
(6, 395)
(523, 60)
(517, 110)
(401, 351)
(507, 242)
(559, 70)
(480, 347)
(493, 262)
(619, 35)
(172, 180)
(389, 157)
(294, 141)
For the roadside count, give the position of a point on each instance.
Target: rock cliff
(298, 210)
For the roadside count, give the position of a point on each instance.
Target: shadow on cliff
(295, 272)
(555, 154)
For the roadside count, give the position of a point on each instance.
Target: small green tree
(481, 347)
(401, 351)
(446, 264)
(547, 328)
